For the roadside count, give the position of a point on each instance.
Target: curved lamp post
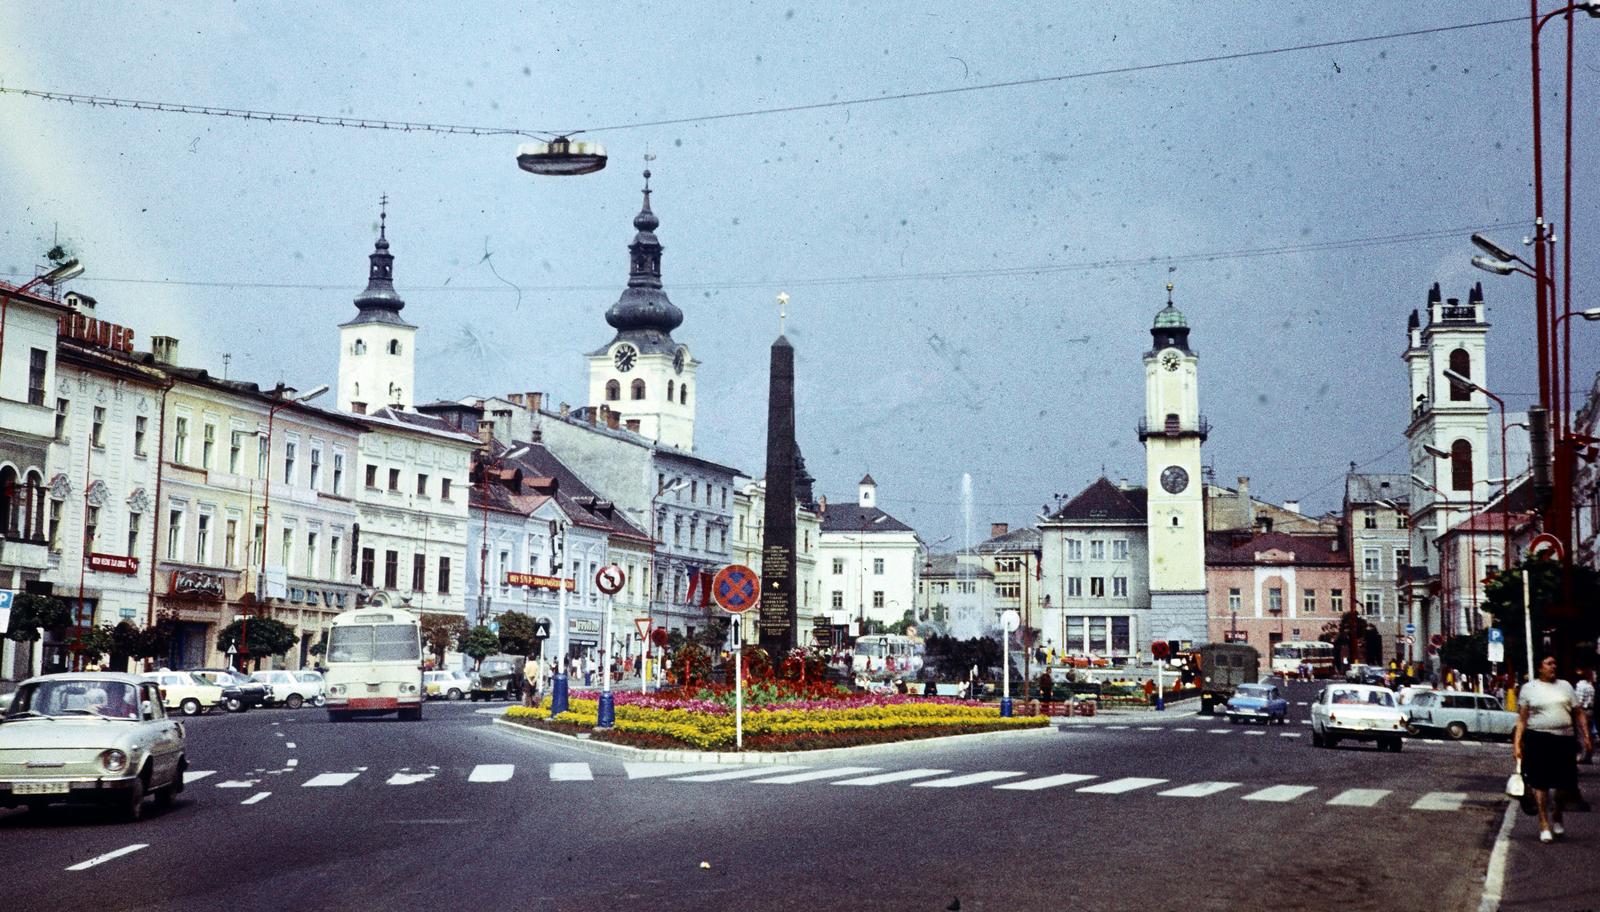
(70, 269)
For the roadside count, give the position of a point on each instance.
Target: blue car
(1258, 703)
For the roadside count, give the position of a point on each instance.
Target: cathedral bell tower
(642, 374)
(376, 361)
(1172, 430)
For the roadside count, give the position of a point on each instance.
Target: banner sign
(194, 584)
(534, 581)
(113, 563)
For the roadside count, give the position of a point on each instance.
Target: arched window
(394, 346)
(8, 501)
(683, 394)
(637, 390)
(360, 348)
(669, 390)
(1461, 466)
(33, 525)
(1461, 363)
(613, 391)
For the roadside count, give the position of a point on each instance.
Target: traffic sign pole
(608, 580)
(558, 687)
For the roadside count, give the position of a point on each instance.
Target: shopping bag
(1515, 787)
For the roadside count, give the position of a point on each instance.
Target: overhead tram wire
(371, 123)
(826, 281)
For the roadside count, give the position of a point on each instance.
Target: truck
(1221, 668)
(498, 676)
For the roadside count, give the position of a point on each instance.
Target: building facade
(1272, 587)
(1376, 507)
(749, 520)
(377, 360)
(868, 561)
(1095, 573)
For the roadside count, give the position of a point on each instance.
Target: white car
(1357, 712)
(288, 688)
(185, 693)
(448, 685)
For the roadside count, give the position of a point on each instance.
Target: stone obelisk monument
(779, 622)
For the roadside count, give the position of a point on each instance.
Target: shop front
(196, 605)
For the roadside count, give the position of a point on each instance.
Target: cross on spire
(1169, 292)
(783, 303)
(383, 213)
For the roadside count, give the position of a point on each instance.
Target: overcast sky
(972, 275)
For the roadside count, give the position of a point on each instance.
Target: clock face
(1174, 479)
(624, 357)
(1170, 359)
(679, 359)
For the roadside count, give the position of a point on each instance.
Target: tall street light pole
(69, 269)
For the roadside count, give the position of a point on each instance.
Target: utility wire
(405, 126)
(996, 272)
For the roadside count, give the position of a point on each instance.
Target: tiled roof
(421, 422)
(1365, 489)
(949, 565)
(1242, 548)
(1103, 501)
(849, 517)
(1025, 539)
(1493, 522)
(545, 476)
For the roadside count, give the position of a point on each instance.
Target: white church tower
(1172, 431)
(642, 374)
(376, 361)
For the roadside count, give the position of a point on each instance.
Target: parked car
(91, 737)
(448, 685)
(1358, 712)
(1222, 669)
(286, 689)
(1365, 674)
(1410, 692)
(184, 692)
(1258, 703)
(1459, 714)
(497, 676)
(239, 693)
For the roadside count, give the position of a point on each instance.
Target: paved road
(1155, 812)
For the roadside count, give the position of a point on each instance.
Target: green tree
(479, 642)
(906, 622)
(517, 632)
(95, 643)
(1503, 600)
(1467, 654)
(265, 637)
(31, 612)
(440, 632)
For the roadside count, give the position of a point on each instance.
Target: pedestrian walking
(1548, 717)
(1584, 691)
(530, 673)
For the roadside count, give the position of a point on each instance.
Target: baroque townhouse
(256, 514)
(868, 562)
(1376, 508)
(1270, 587)
(1012, 557)
(1095, 577)
(950, 599)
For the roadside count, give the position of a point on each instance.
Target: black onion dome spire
(379, 303)
(643, 314)
(1170, 329)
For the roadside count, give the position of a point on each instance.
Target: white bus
(1288, 657)
(374, 664)
(887, 656)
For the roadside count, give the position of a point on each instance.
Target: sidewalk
(1564, 875)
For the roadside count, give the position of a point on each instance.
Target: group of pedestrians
(1553, 719)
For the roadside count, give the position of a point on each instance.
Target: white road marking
(1280, 793)
(1219, 731)
(408, 778)
(290, 745)
(968, 779)
(238, 784)
(1198, 790)
(899, 776)
(102, 859)
(291, 763)
(1289, 734)
(571, 772)
(190, 776)
(1116, 728)
(1257, 734)
(491, 772)
(1185, 729)
(1440, 801)
(1044, 782)
(742, 773)
(658, 770)
(1150, 728)
(1364, 798)
(257, 797)
(328, 780)
(1118, 786)
(279, 734)
(812, 775)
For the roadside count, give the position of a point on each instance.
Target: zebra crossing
(1085, 784)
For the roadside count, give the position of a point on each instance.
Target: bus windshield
(374, 643)
(1287, 652)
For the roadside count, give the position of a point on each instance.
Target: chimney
(515, 399)
(1245, 501)
(485, 432)
(535, 400)
(1293, 506)
(633, 425)
(565, 410)
(592, 414)
(165, 349)
(613, 419)
(822, 504)
(998, 529)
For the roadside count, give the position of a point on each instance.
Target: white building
(376, 355)
(1096, 573)
(749, 521)
(868, 561)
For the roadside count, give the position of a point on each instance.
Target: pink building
(1264, 588)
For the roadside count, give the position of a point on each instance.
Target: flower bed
(654, 721)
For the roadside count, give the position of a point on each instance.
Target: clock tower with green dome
(642, 373)
(1172, 431)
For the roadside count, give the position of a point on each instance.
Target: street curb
(748, 757)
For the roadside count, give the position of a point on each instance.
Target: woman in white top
(1548, 716)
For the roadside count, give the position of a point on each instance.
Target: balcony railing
(1172, 427)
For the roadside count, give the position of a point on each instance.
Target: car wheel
(1397, 744)
(455, 694)
(133, 801)
(1412, 730)
(190, 707)
(295, 701)
(1316, 738)
(234, 704)
(1332, 741)
(177, 782)
(1456, 731)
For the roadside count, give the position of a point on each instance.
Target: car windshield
(1255, 693)
(106, 699)
(1348, 697)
